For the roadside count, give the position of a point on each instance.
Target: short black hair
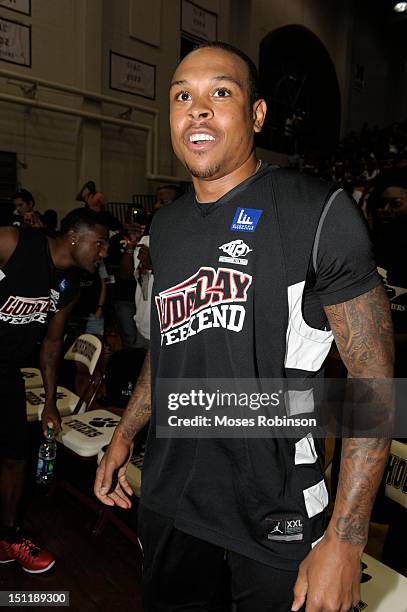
(390, 177)
(82, 218)
(394, 177)
(91, 186)
(254, 89)
(25, 195)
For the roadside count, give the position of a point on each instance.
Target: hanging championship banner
(198, 22)
(132, 76)
(15, 43)
(19, 6)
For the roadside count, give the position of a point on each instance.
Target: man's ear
(259, 115)
(73, 237)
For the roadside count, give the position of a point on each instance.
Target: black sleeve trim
(319, 228)
(352, 291)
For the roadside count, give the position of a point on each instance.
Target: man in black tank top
(38, 287)
(255, 273)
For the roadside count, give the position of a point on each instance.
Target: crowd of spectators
(359, 157)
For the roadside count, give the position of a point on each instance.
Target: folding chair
(396, 476)
(83, 436)
(394, 552)
(32, 378)
(382, 589)
(87, 353)
(87, 432)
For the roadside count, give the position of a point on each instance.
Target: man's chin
(91, 268)
(204, 172)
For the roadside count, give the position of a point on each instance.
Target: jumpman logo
(277, 529)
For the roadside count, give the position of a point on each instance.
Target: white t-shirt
(143, 293)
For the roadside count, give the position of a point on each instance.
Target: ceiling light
(400, 7)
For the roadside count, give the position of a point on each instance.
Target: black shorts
(181, 572)
(13, 414)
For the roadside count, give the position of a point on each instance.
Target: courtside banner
(281, 408)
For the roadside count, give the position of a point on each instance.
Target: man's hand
(51, 348)
(135, 231)
(329, 578)
(33, 218)
(114, 463)
(145, 259)
(117, 456)
(99, 312)
(50, 414)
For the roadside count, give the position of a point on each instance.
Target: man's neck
(211, 190)
(60, 255)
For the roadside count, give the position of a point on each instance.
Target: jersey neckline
(206, 208)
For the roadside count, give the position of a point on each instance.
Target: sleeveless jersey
(32, 289)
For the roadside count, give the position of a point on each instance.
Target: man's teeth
(200, 137)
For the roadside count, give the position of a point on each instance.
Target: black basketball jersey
(32, 289)
(230, 284)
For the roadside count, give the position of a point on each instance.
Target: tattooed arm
(329, 576)
(135, 417)
(364, 336)
(50, 356)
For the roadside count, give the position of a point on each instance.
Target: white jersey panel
(306, 347)
(316, 498)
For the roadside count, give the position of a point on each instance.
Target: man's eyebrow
(226, 77)
(182, 82)
(221, 77)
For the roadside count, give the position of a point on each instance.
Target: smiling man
(38, 287)
(251, 270)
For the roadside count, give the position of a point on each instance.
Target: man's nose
(200, 109)
(386, 207)
(103, 251)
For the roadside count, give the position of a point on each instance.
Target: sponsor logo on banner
(211, 298)
(236, 250)
(245, 219)
(396, 295)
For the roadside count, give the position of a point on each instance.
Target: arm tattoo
(363, 333)
(362, 466)
(138, 411)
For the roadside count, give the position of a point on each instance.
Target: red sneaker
(31, 558)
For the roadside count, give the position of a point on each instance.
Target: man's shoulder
(9, 237)
(291, 177)
(177, 205)
(173, 211)
(13, 236)
(301, 196)
(9, 232)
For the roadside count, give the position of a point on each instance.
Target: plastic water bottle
(46, 458)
